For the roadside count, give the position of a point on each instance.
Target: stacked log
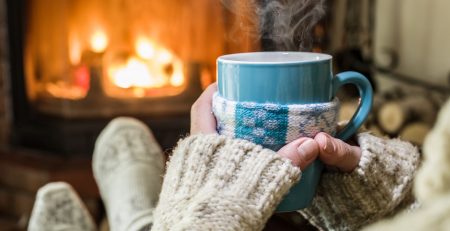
(398, 114)
(410, 117)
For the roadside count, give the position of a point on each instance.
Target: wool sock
(58, 208)
(128, 166)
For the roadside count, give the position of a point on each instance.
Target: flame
(177, 78)
(164, 56)
(151, 66)
(135, 73)
(74, 48)
(144, 48)
(99, 41)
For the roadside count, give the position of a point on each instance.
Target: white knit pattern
(310, 119)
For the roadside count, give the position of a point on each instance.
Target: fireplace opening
(76, 64)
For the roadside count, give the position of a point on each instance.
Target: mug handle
(365, 105)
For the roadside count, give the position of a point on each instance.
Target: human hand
(331, 151)
(202, 119)
(301, 152)
(337, 153)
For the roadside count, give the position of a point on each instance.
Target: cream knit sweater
(218, 183)
(432, 185)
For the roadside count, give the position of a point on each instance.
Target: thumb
(301, 152)
(337, 153)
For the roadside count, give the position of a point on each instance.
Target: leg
(57, 208)
(128, 166)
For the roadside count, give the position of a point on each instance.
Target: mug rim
(274, 58)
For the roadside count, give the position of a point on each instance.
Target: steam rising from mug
(287, 24)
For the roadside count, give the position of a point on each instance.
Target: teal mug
(273, 98)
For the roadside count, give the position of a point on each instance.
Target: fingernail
(306, 149)
(329, 146)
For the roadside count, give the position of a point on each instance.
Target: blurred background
(67, 67)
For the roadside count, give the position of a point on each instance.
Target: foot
(128, 165)
(58, 208)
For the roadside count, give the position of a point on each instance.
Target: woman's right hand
(331, 151)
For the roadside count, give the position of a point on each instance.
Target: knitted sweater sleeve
(348, 201)
(218, 183)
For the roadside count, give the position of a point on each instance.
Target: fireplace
(76, 64)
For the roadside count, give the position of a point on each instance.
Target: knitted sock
(273, 125)
(128, 166)
(57, 208)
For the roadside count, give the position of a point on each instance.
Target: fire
(135, 73)
(74, 48)
(99, 41)
(151, 67)
(145, 48)
(148, 70)
(164, 56)
(177, 77)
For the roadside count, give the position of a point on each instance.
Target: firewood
(375, 130)
(393, 115)
(415, 132)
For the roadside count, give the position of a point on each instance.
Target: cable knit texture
(58, 208)
(128, 167)
(432, 185)
(435, 216)
(217, 183)
(373, 190)
(433, 179)
(273, 125)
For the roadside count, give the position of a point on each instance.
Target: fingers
(337, 153)
(301, 152)
(202, 119)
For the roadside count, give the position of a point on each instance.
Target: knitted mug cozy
(273, 125)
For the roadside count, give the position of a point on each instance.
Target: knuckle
(344, 150)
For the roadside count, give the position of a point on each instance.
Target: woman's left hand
(202, 119)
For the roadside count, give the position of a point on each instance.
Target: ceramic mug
(266, 86)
